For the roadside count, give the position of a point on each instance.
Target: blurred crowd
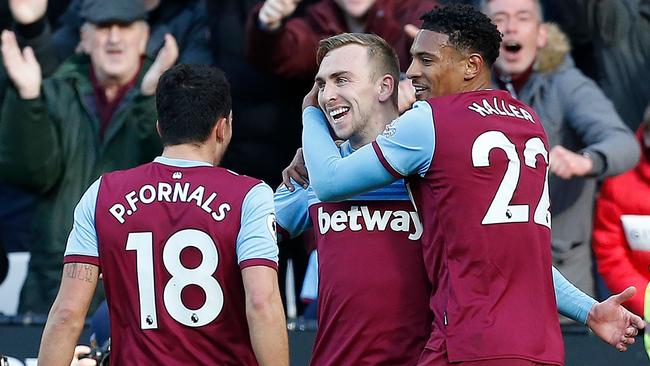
(77, 87)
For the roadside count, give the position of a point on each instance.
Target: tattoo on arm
(82, 272)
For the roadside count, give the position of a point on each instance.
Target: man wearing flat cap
(95, 114)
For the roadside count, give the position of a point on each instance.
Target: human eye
(341, 80)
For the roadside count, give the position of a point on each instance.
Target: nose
(413, 70)
(509, 25)
(114, 34)
(328, 93)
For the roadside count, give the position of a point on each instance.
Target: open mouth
(419, 89)
(339, 113)
(512, 46)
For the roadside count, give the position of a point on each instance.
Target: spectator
(618, 35)
(622, 226)
(287, 46)
(57, 135)
(185, 20)
(587, 137)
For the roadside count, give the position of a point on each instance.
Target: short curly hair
(468, 29)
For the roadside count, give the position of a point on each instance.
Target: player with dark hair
(187, 250)
(476, 163)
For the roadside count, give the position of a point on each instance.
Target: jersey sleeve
(256, 242)
(82, 243)
(407, 144)
(571, 302)
(292, 211)
(332, 177)
(309, 290)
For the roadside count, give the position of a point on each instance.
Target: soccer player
(476, 162)
(187, 249)
(373, 290)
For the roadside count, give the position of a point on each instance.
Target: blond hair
(379, 52)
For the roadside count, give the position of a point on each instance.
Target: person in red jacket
(287, 46)
(621, 237)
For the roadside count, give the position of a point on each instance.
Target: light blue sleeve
(292, 209)
(310, 283)
(408, 142)
(83, 236)
(257, 233)
(332, 177)
(571, 302)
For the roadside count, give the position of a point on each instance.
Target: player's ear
(473, 65)
(220, 129)
(386, 87)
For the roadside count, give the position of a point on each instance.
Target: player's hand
(165, 59)
(411, 30)
(567, 164)
(274, 11)
(296, 171)
(22, 66)
(81, 350)
(27, 11)
(614, 324)
(405, 95)
(311, 99)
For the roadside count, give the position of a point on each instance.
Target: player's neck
(196, 152)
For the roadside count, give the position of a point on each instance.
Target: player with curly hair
(476, 163)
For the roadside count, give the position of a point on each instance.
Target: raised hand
(27, 11)
(274, 11)
(22, 67)
(165, 59)
(614, 324)
(566, 164)
(405, 95)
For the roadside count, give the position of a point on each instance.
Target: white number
(500, 210)
(181, 277)
(535, 147)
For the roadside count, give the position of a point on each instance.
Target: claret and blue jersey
(373, 291)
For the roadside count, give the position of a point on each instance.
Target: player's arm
(80, 274)
(292, 211)
(66, 319)
(265, 315)
(405, 148)
(257, 254)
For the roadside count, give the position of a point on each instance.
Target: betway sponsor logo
(359, 218)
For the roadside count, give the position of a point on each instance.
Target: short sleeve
(407, 144)
(256, 242)
(292, 210)
(82, 243)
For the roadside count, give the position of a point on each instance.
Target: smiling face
(523, 33)
(347, 92)
(437, 68)
(115, 49)
(355, 8)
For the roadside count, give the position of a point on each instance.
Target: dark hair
(468, 29)
(190, 99)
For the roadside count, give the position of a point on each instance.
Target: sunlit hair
(380, 53)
